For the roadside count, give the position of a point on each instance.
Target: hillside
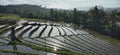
(97, 19)
(25, 10)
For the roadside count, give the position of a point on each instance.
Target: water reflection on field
(23, 49)
(58, 37)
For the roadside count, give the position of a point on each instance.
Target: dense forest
(97, 18)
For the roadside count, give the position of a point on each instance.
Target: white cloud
(34, 2)
(65, 4)
(82, 3)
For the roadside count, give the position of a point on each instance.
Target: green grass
(16, 52)
(16, 17)
(104, 37)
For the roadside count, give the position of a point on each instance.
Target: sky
(65, 4)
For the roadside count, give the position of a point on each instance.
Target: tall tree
(75, 17)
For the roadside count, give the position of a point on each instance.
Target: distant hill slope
(26, 10)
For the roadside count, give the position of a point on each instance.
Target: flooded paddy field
(52, 40)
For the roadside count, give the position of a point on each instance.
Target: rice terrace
(42, 27)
